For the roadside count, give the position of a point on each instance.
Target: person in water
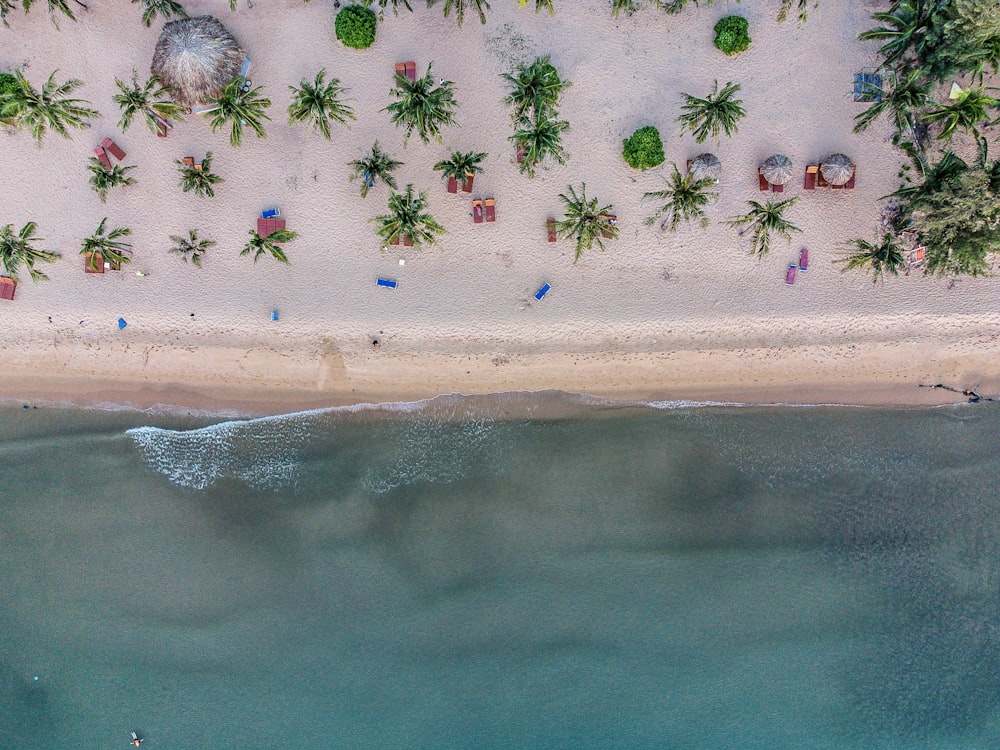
(136, 740)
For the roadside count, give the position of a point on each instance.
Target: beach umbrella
(705, 165)
(196, 58)
(837, 169)
(777, 169)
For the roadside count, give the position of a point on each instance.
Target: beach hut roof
(837, 169)
(705, 165)
(777, 169)
(196, 58)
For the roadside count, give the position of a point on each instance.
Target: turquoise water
(463, 574)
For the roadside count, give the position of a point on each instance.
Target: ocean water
(514, 572)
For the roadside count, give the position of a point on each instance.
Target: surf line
(970, 393)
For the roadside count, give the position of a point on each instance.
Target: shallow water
(462, 574)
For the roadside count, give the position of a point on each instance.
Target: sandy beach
(689, 315)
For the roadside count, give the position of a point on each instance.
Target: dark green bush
(644, 149)
(356, 26)
(732, 34)
(7, 83)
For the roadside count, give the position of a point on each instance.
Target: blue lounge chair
(270, 213)
(542, 292)
(245, 67)
(387, 283)
(867, 87)
(274, 314)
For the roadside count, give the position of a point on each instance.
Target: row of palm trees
(18, 250)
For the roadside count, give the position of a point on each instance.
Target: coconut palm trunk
(18, 250)
(584, 221)
(317, 102)
(765, 220)
(458, 7)
(422, 106)
(150, 100)
(260, 245)
(885, 257)
(103, 179)
(107, 246)
(239, 109)
(685, 199)
(373, 167)
(408, 219)
(461, 167)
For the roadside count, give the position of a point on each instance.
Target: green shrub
(356, 26)
(732, 34)
(644, 149)
(8, 83)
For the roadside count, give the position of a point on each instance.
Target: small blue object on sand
(121, 324)
(269, 213)
(274, 314)
(542, 292)
(387, 283)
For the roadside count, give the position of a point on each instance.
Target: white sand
(688, 314)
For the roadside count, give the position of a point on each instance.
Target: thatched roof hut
(837, 169)
(777, 169)
(706, 165)
(196, 57)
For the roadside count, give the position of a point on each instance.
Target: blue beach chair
(387, 283)
(542, 292)
(270, 213)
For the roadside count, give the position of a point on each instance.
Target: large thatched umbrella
(705, 165)
(837, 169)
(196, 57)
(777, 169)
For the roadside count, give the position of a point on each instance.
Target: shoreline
(257, 381)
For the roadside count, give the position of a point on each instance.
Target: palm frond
(319, 102)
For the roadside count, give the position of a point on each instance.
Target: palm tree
(191, 246)
(165, 8)
(905, 28)
(539, 4)
(539, 140)
(885, 257)
(422, 106)
(534, 87)
(765, 219)
(151, 100)
(106, 247)
(717, 112)
(376, 165)
(584, 221)
(968, 111)
(51, 107)
(480, 6)
(463, 167)
(18, 250)
(801, 7)
(318, 103)
(260, 245)
(199, 178)
(395, 5)
(902, 101)
(685, 200)
(55, 6)
(103, 179)
(239, 108)
(408, 218)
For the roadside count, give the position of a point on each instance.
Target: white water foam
(261, 452)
